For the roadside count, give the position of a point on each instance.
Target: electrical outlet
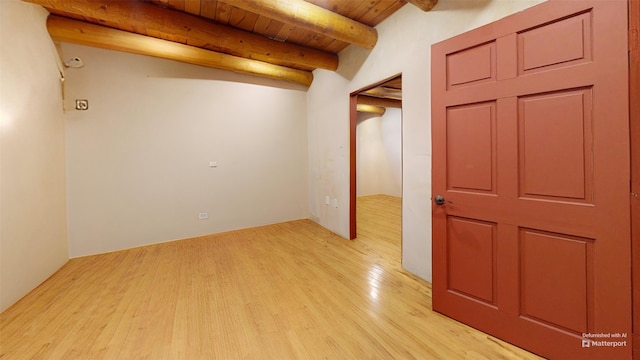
(203, 215)
(335, 203)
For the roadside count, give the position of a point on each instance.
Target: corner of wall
(33, 232)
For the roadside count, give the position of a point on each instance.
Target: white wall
(138, 160)
(379, 153)
(403, 47)
(33, 238)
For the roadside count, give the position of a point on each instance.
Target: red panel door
(530, 131)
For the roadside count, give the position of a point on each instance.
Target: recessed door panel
(555, 145)
(555, 277)
(560, 43)
(471, 147)
(483, 59)
(471, 250)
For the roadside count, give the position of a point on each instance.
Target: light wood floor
(286, 291)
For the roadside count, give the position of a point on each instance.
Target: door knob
(439, 200)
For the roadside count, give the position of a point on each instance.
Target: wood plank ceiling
(376, 100)
(278, 39)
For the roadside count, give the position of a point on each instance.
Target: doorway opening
(376, 154)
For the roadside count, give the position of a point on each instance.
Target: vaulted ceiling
(278, 39)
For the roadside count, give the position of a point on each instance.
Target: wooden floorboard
(284, 291)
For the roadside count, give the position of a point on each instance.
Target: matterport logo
(604, 340)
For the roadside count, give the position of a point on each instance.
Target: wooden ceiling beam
(312, 18)
(148, 19)
(384, 92)
(376, 101)
(424, 5)
(372, 109)
(79, 32)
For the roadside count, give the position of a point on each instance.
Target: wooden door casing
(530, 131)
(634, 114)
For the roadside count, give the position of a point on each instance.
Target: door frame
(353, 123)
(634, 125)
